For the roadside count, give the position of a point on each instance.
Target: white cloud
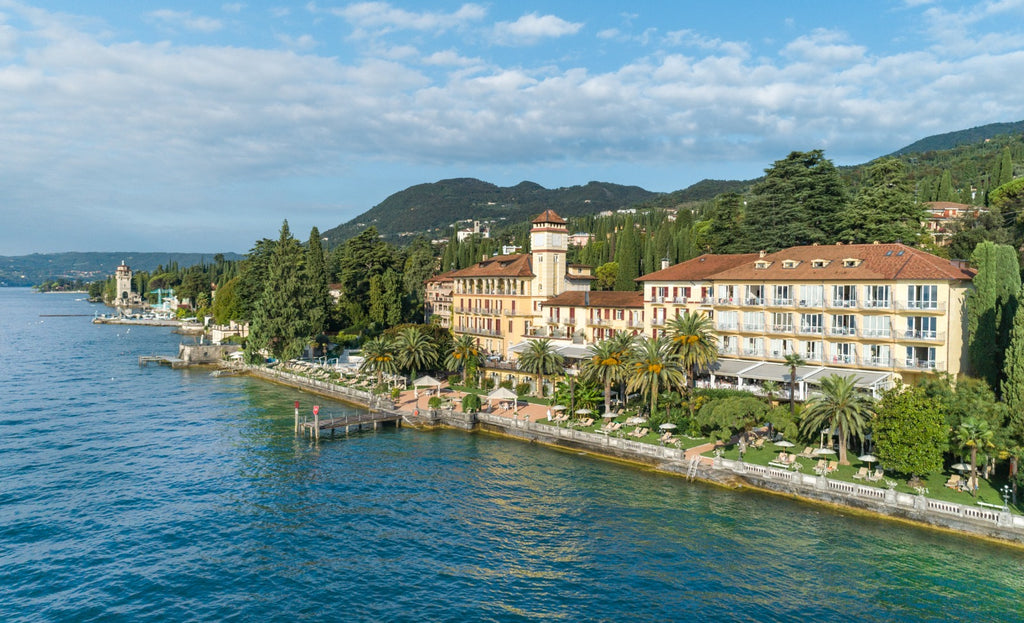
(824, 47)
(185, 20)
(302, 42)
(531, 28)
(232, 7)
(375, 18)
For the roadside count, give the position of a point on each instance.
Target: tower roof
(549, 216)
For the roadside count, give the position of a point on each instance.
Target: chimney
(664, 263)
(762, 253)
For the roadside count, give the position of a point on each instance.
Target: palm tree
(793, 360)
(378, 357)
(540, 360)
(974, 433)
(606, 364)
(839, 407)
(694, 341)
(464, 350)
(770, 389)
(652, 366)
(416, 351)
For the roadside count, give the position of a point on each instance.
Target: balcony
(781, 302)
(546, 332)
(658, 322)
(726, 350)
(515, 312)
(635, 324)
(782, 328)
(841, 359)
(570, 322)
(876, 334)
(487, 332)
(810, 330)
(812, 357)
(597, 322)
(680, 300)
(921, 306)
(877, 362)
(843, 303)
(753, 352)
(879, 304)
(707, 300)
(753, 301)
(726, 326)
(727, 301)
(753, 328)
(920, 364)
(810, 303)
(923, 336)
(657, 299)
(551, 320)
(843, 331)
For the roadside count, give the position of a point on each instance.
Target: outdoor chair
(833, 466)
(821, 466)
(808, 452)
(877, 475)
(861, 474)
(953, 482)
(587, 422)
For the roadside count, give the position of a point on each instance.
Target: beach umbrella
(823, 451)
(868, 458)
(960, 467)
(558, 408)
(667, 426)
(785, 444)
(583, 411)
(608, 415)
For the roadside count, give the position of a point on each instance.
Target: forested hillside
(28, 270)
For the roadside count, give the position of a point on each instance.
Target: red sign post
(316, 409)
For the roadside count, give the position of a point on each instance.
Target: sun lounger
(808, 452)
(953, 482)
(877, 475)
(758, 443)
(833, 466)
(821, 466)
(587, 422)
(861, 474)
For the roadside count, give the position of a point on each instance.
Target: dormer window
(851, 262)
(761, 264)
(819, 263)
(790, 263)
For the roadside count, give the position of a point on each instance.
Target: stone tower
(549, 242)
(123, 276)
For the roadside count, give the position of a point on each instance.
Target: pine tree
(800, 201)
(1013, 366)
(884, 209)
(945, 192)
(280, 323)
(627, 256)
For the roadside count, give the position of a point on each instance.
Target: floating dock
(163, 360)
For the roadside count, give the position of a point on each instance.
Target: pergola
(874, 381)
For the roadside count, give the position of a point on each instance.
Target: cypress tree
(991, 307)
(945, 188)
(1013, 366)
(318, 296)
(377, 311)
(627, 256)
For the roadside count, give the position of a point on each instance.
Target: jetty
(163, 360)
(375, 418)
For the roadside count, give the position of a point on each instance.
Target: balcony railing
(812, 357)
(753, 352)
(726, 326)
(810, 330)
(841, 331)
(878, 304)
(727, 301)
(811, 303)
(599, 322)
(924, 336)
(920, 364)
(925, 306)
(843, 359)
(781, 302)
(845, 303)
(726, 350)
(635, 324)
(707, 300)
(877, 362)
(754, 301)
(753, 327)
(680, 300)
(782, 328)
(657, 299)
(488, 332)
(550, 320)
(658, 322)
(876, 333)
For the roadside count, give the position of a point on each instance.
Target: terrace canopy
(743, 371)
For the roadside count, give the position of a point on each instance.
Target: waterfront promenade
(529, 422)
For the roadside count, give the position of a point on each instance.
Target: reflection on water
(133, 492)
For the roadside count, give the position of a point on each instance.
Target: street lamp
(1006, 497)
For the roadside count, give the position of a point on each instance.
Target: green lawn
(988, 491)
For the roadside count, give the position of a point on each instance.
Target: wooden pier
(163, 360)
(376, 418)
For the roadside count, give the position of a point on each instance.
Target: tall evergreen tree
(945, 192)
(627, 255)
(991, 306)
(800, 201)
(317, 300)
(725, 233)
(1013, 364)
(280, 322)
(884, 209)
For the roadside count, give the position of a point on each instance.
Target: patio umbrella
(823, 451)
(785, 444)
(960, 467)
(868, 458)
(583, 411)
(608, 415)
(558, 408)
(667, 426)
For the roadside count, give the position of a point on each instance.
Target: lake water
(131, 493)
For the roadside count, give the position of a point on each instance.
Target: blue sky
(199, 126)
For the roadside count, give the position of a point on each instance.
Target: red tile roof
(519, 265)
(699, 268)
(871, 262)
(549, 216)
(442, 277)
(596, 298)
